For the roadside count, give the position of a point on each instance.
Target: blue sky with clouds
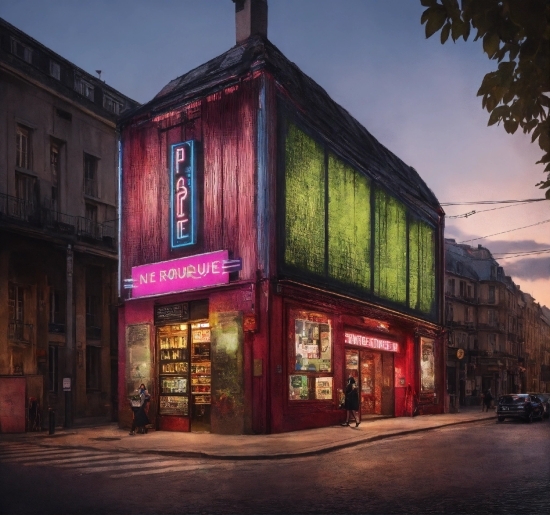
(416, 96)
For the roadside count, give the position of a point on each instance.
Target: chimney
(250, 19)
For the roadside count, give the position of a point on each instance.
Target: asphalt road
(473, 468)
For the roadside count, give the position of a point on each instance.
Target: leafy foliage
(516, 34)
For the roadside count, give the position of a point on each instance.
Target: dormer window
(112, 104)
(55, 70)
(83, 87)
(20, 50)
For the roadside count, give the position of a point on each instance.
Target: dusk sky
(416, 96)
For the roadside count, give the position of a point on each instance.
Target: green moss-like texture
(421, 266)
(305, 202)
(390, 248)
(349, 229)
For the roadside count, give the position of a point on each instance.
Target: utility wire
(493, 202)
(503, 232)
(505, 255)
(471, 213)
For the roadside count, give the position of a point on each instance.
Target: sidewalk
(247, 447)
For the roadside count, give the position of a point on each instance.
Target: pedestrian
(352, 402)
(487, 398)
(140, 420)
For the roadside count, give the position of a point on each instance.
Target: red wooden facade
(235, 122)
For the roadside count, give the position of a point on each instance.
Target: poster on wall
(313, 346)
(427, 369)
(138, 357)
(323, 388)
(298, 388)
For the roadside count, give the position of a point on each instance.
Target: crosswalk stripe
(115, 461)
(46, 460)
(45, 455)
(96, 457)
(126, 464)
(178, 468)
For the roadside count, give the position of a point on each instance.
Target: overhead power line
(504, 232)
(493, 202)
(507, 255)
(471, 213)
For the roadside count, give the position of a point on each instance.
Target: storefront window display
(312, 350)
(427, 368)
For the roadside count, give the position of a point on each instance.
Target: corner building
(271, 247)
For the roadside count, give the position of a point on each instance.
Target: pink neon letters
(371, 343)
(176, 275)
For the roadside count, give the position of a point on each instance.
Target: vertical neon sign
(182, 194)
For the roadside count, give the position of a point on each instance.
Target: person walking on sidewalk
(352, 402)
(140, 415)
(487, 398)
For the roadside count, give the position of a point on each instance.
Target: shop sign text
(183, 195)
(178, 275)
(370, 342)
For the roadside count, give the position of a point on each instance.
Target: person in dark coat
(487, 398)
(140, 415)
(352, 402)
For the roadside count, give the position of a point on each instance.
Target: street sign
(66, 384)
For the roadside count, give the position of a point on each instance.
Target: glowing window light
(183, 195)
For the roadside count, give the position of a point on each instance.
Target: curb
(205, 455)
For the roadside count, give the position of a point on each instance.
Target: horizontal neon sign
(182, 274)
(371, 343)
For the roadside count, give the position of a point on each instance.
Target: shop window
(427, 365)
(311, 348)
(93, 367)
(53, 368)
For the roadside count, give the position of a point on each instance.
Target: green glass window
(349, 221)
(421, 266)
(390, 248)
(305, 202)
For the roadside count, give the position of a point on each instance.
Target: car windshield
(513, 399)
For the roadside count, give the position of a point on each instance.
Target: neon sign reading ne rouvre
(182, 194)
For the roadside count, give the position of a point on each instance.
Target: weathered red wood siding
(224, 124)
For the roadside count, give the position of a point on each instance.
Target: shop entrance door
(373, 372)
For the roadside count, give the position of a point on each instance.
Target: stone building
(497, 334)
(58, 231)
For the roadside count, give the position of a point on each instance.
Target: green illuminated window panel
(305, 202)
(421, 266)
(390, 248)
(348, 224)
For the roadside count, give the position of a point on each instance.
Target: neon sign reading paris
(182, 194)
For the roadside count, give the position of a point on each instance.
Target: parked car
(520, 405)
(545, 399)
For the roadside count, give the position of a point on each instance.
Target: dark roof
(344, 133)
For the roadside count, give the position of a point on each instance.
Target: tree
(515, 33)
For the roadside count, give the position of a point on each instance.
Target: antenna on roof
(98, 74)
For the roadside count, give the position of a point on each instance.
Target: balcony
(20, 332)
(14, 210)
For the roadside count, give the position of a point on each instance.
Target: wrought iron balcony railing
(20, 210)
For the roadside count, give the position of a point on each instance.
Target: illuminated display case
(173, 369)
(201, 375)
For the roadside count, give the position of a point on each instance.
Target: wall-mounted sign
(182, 274)
(66, 384)
(172, 313)
(370, 342)
(460, 353)
(183, 193)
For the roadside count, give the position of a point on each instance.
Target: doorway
(373, 373)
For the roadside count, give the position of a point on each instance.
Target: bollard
(51, 421)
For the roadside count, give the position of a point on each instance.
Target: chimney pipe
(250, 19)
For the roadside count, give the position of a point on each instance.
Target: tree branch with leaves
(516, 34)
